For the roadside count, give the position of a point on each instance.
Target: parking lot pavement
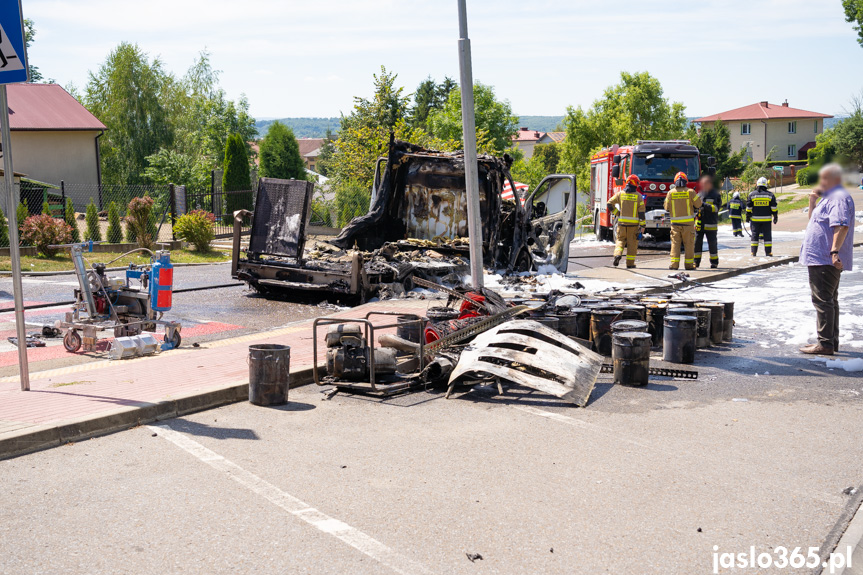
(413, 484)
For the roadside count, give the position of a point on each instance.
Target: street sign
(778, 169)
(13, 56)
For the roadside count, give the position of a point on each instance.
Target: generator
(126, 306)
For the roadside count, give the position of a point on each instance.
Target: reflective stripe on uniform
(628, 209)
(681, 207)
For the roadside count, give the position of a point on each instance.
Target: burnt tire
(72, 341)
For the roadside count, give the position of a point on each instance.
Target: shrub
(4, 231)
(43, 231)
(807, 176)
(115, 229)
(21, 214)
(93, 231)
(196, 227)
(69, 217)
(236, 177)
(352, 200)
(138, 219)
(46, 208)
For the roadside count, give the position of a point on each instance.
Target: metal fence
(219, 203)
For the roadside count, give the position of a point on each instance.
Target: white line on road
(323, 522)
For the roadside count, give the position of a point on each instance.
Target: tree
(325, 156)
(495, 123)
(547, 156)
(127, 94)
(632, 110)
(115, 229)
(854, 14)
(22, 212)
(848, 135)
(715, 140)
(93, 231)
(429, 96)
(29, 35)
(236, 177)
(280, 154)
(69, 217)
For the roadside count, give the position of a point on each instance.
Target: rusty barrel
(628, 325)
(632, 311)
(728, 322)
(717, 320)
(703, 336)
(600, 329)
(269, 373)
(630, 353)
(678, 339)
(567, 323)
(655, 315)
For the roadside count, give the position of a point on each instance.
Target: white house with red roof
(764, 126)
(54, 137)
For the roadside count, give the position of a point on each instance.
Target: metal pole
(471, 170)
(14, 254)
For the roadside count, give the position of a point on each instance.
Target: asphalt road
(643, 480)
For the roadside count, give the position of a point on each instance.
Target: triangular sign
(9, 60)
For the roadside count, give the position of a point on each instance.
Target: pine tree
(4, 231)
(236, 177)
(280, 154)
(46, 208)
(21, 214)
(69, 216)
(115, 229)
(93, 231)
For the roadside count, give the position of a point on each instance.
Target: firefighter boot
(616, 261)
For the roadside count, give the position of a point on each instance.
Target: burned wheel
(72, 341)
(175, 341)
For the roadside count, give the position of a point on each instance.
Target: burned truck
(416, 225)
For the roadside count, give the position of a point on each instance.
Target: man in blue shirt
(827, 251)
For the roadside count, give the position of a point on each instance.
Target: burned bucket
(269, 373)
(630, 353)
(632, 311)
(548, 321)
(629, 325)
(717, 320)
(409, 328)
(567, 323)
(678, 339)
(655, 315)
(703, 336)
(600, 329)
(728, 322)
(582, 322)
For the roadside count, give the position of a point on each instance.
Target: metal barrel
(703, 337)
(582, 322)
(600, 329)
(655, 315)
(678, 339)
(728, 322)
(633, 311)
(717, 320)
(269, 373)
(567, 323)
(409, 328)
(630, 353)
(628, 325)
(548, 321)
(684, 302)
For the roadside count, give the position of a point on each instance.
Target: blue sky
(310, 58)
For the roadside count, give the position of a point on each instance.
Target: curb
(72, 272)
(851, 530)
(41, 437)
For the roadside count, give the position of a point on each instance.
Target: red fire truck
(655, 162)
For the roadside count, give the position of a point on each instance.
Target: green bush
(43, 231)
(196, 227)
(321, 215)
(69, 217)
(21, 214)
(807, 176)
(115, 228)
(4, 231)
(93, 231)
(236, 177)
(46, 208)
(352, 200)
(138, 219)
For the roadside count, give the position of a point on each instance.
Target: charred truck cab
(416, 225)
(655, 162)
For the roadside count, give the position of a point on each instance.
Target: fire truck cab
(655, 162)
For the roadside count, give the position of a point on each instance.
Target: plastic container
(678, 339)
(269, 374)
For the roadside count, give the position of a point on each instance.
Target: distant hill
(540, 123)
(302, 127)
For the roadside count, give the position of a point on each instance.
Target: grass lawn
(790, 204)
(63, 262)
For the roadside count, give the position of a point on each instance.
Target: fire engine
(655, 162)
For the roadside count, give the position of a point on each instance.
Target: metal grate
(281, 214)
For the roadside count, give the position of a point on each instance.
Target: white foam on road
(340, 530)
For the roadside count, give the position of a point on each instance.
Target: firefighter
(762, 212)
(735, 212)
(681, 203)
(628, 206)
(706, 224)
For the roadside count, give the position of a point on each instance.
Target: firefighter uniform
(681, 203)
(762, 212)
(706, 225)
(629, 205)
(735, 212)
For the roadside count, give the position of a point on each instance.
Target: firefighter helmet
(634, 180)
(681, 176)
(736, 195)
(762, 182)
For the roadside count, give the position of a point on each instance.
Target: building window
(792, 151)
(816, 126)
(792, 127)
(745, 129)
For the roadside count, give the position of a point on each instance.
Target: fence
(220, 203)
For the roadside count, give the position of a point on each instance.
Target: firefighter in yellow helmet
(681, 203)
(628, 206)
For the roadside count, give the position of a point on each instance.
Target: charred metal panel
(282, 210)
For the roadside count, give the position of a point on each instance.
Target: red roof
(526, 135)
(47, 107)
(762, 111)
(309, 145)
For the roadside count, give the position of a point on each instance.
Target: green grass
(63, 262)
(791, 205)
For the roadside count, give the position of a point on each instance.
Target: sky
(310, 58)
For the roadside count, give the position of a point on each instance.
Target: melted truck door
(549, 215)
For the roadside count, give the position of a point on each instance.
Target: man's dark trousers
(824, 282)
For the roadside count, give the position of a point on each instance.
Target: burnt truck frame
(418, 197)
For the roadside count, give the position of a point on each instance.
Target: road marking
(323, 522)
(578, 423)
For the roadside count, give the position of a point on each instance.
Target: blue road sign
(13, 57)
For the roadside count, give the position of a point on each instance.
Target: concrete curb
(37, 438)
(852, 536)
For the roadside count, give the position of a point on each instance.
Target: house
(525, 139)
(54, 137)
(763, 127)
(552, 138)
(310, 149)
